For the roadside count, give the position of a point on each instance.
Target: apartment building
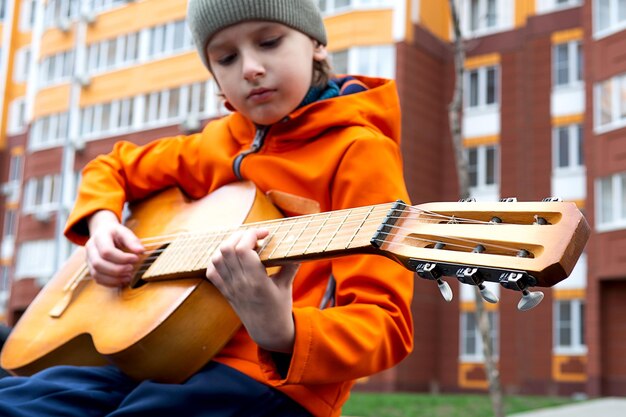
(544, 99)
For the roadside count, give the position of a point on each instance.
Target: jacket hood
(376, 108)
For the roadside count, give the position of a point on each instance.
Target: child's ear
(320, 52)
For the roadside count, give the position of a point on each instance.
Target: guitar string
(305, 220)
(153, 255)
(159, 240)
(163, 239)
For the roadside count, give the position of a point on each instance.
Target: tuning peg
(530, 299)
(445, 290)
(487, 294)
(430, 270)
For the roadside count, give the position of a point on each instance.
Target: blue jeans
(68, 391)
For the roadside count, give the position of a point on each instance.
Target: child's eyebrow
(267, 26)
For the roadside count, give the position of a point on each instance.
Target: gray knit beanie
(207, 17)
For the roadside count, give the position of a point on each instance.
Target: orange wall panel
(134, 17)
(154, 76)
(52, 100)
(435, 16)
(367, 27)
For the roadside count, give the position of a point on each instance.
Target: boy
(295, 131)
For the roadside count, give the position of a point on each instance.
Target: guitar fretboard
(293, 239)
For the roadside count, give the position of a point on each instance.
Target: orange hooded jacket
(341, 152)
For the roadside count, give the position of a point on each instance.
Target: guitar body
(161, 330)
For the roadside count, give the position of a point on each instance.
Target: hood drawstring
(257, 143)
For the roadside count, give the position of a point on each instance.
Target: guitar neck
(294, 239)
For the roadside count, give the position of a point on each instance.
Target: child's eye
(226, 59)
(271, 42)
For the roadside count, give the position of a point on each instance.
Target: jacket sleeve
(370, 328)
(130, 172)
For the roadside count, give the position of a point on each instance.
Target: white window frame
(27, 15)
(481, 168)
(17, 116)
(22, 65)
(482, 88)
(36, 258)
(577, 345)
(50, 194)
(574, 62)
(336, 6)
(616, 107)
(575, 156)
(616, 23)
(613, 205)
(477, 355)
(370, 60)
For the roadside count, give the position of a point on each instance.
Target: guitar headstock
(516, 244)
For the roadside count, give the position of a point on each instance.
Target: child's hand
(262, 303)
(112, 250)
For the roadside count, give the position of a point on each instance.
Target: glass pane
(340, 62)
(473, 89)
(563, 147)
(621, 13)
(491, 86)
(580, 147)
(342, 3)
(492, 16)
(622, 97)
(179, 35)
(582, 323)
(472, 166)
(622, 178)
(604, 14)
(606, 113)
(174, 104)
(579, 61)
(606, 200)
(561, 64)
(490, 177)
(474, 15)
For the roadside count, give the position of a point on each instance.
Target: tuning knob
(487, 294)
(444, 289)
(530, 299)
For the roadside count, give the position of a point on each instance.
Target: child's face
(263, 68)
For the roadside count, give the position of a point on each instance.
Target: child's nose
(253, 68)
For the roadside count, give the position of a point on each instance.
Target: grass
(363, 404)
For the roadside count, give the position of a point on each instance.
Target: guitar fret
(295, 240)
(356, 230)
(319, 229)
(281, 241)
(341, 224)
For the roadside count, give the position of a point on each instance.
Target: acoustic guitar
(170, 321)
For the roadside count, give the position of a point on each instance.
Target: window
(374, 61)
(482, 166)
(17, 116)
(567, 58)
(169, 38)
(15, 168)
(569, 326)
(481, 87)
(41, 250)
(610, 103)
(42, 194)
(611, 202)
(332, 6)
(57, 68)
(60, 10)
(471, 341)
(610, 16)
(22, 65)
(27, 15)
(5, 278)
(568, 147)
(3, 9)
(10, 224)
(48, 131)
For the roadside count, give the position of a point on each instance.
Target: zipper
(257, 144)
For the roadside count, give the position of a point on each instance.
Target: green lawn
(426, 405)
